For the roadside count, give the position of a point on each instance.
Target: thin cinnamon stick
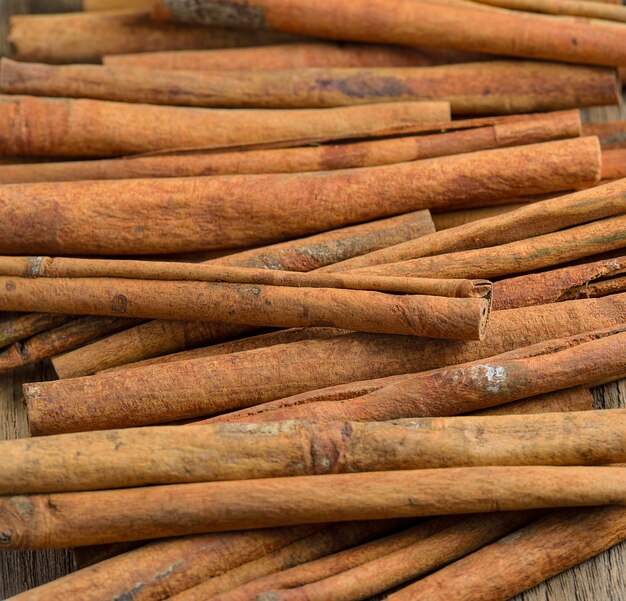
(23, 326)
(140, 217)
(532, 220)
(572, 535)
(252, 304)
(449, 219)
(574, 8)
(159, 337)
(186, 389)
(516, 257)
(159, 511)
(87, 37)
(533, 129)
(514, 86)
(83, 128)
(576, 281)
(175, 454)
(408, 23)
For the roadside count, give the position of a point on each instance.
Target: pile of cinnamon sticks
(325, 286)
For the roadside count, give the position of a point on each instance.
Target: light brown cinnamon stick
(572, 535)
(574, 8)
(514, 86)
(186, 389)
(23, 326)
(613, 163)
(409, 22)
(87, 37)
(449, 219)
(502, 133)
(160, 511)
(51, 127)
(203, 218)
(178, 454)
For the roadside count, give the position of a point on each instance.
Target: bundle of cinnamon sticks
(326, 287)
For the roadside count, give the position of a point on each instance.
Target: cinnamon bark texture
(179, 454)
(572, 535)
(159, 511)
(466, 387)
(89, 5)
(614, 163)
(82, 128)
(87, 37)
(514, 87)
(61, 339)
(448, 219)
(574, 8)
(578, 281)
(612, 134)
(409, 22)
(521, 256)
(502, 133)
(291, 56)
(162, 337)
(532, 220)
(139, 217)
(23, 326)
(187, 389)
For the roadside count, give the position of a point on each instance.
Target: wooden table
(602, 578)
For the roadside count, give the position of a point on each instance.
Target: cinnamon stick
(186, 389)
(23, 326)
(532, 220)
(516, 257)
(89, 5)
(178, 454)
(159, 511)
(502, 133)
(611, 134)
(140, 217)
(159, 337)
(52, 127)
(87, 37)
(613, 161)
(407, 22)
(574, 8)
(572, 535)
(252, 304)
(576, 281)
(515, 86)
(449, 219)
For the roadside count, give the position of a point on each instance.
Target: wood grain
(602, 578)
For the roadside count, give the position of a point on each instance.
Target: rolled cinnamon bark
(252, 304)
(409, 23)
(573, 536)
(56, 127)
(611, 134)
(141, 218)
(485, 383)
(514, 86)
(187, 389)
(449, 219)
(577, 281)
(532, 220)
(574, 8)
(159, 511)
(516, 257)
(87, 37)
(183, 454)
(614, 163)
(57, 340)
(24, 326)
(161, 337)
(291, 56)
(531, 130)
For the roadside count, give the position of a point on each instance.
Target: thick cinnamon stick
(161, 337)
(516, 257)
(159, 511)
(260, 305)
(532, 220)
(577, 281)
(518, 374)
(503, 133)
(24, 326)
(140, 217)
(186, 389)
(291, 56)
(87, 37)
(408, 22)
(574, 8)
(178, 454)
(514, 87)
(572, 535)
